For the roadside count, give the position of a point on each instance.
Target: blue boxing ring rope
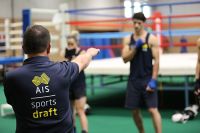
(10, 60)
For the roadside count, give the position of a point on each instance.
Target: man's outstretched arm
(84, 59)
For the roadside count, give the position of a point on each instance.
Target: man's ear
(48, 48)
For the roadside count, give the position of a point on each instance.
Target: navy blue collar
(36, 59)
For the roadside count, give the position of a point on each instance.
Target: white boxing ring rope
(170, 65)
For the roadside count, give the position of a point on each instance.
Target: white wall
(180, 10)
(19, 5)
(5, 8)
(47, 4)
(84, 4)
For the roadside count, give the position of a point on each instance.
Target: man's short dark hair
(35, 39)
(139, 16)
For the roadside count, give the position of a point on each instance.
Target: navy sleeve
(73, 70)
(7, 91)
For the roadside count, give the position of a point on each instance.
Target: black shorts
(137, 96)
(77, 90)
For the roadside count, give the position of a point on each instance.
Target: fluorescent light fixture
(147, 11)
(129, 10)
(137, 7)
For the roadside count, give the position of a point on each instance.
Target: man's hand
(83, 60)
(93, 51)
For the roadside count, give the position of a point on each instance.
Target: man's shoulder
(153, 40)
(67, 64)
(150, 35)
(14, 72)
(64, 63)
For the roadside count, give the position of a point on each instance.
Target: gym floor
(109, 116)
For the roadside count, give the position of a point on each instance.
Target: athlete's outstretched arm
(84, 59)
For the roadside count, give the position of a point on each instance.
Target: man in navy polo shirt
(39, 90)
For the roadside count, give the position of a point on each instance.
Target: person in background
(141, 49)
(183, 41)
(78, 87)
(197, 75)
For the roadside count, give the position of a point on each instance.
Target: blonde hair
(75, 35)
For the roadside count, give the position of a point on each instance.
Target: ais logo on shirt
(145, 47)
(43, 79)
(43, 103)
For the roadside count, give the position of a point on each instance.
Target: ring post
(26, 18)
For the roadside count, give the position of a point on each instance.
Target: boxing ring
(182, 65)
(162, 25)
